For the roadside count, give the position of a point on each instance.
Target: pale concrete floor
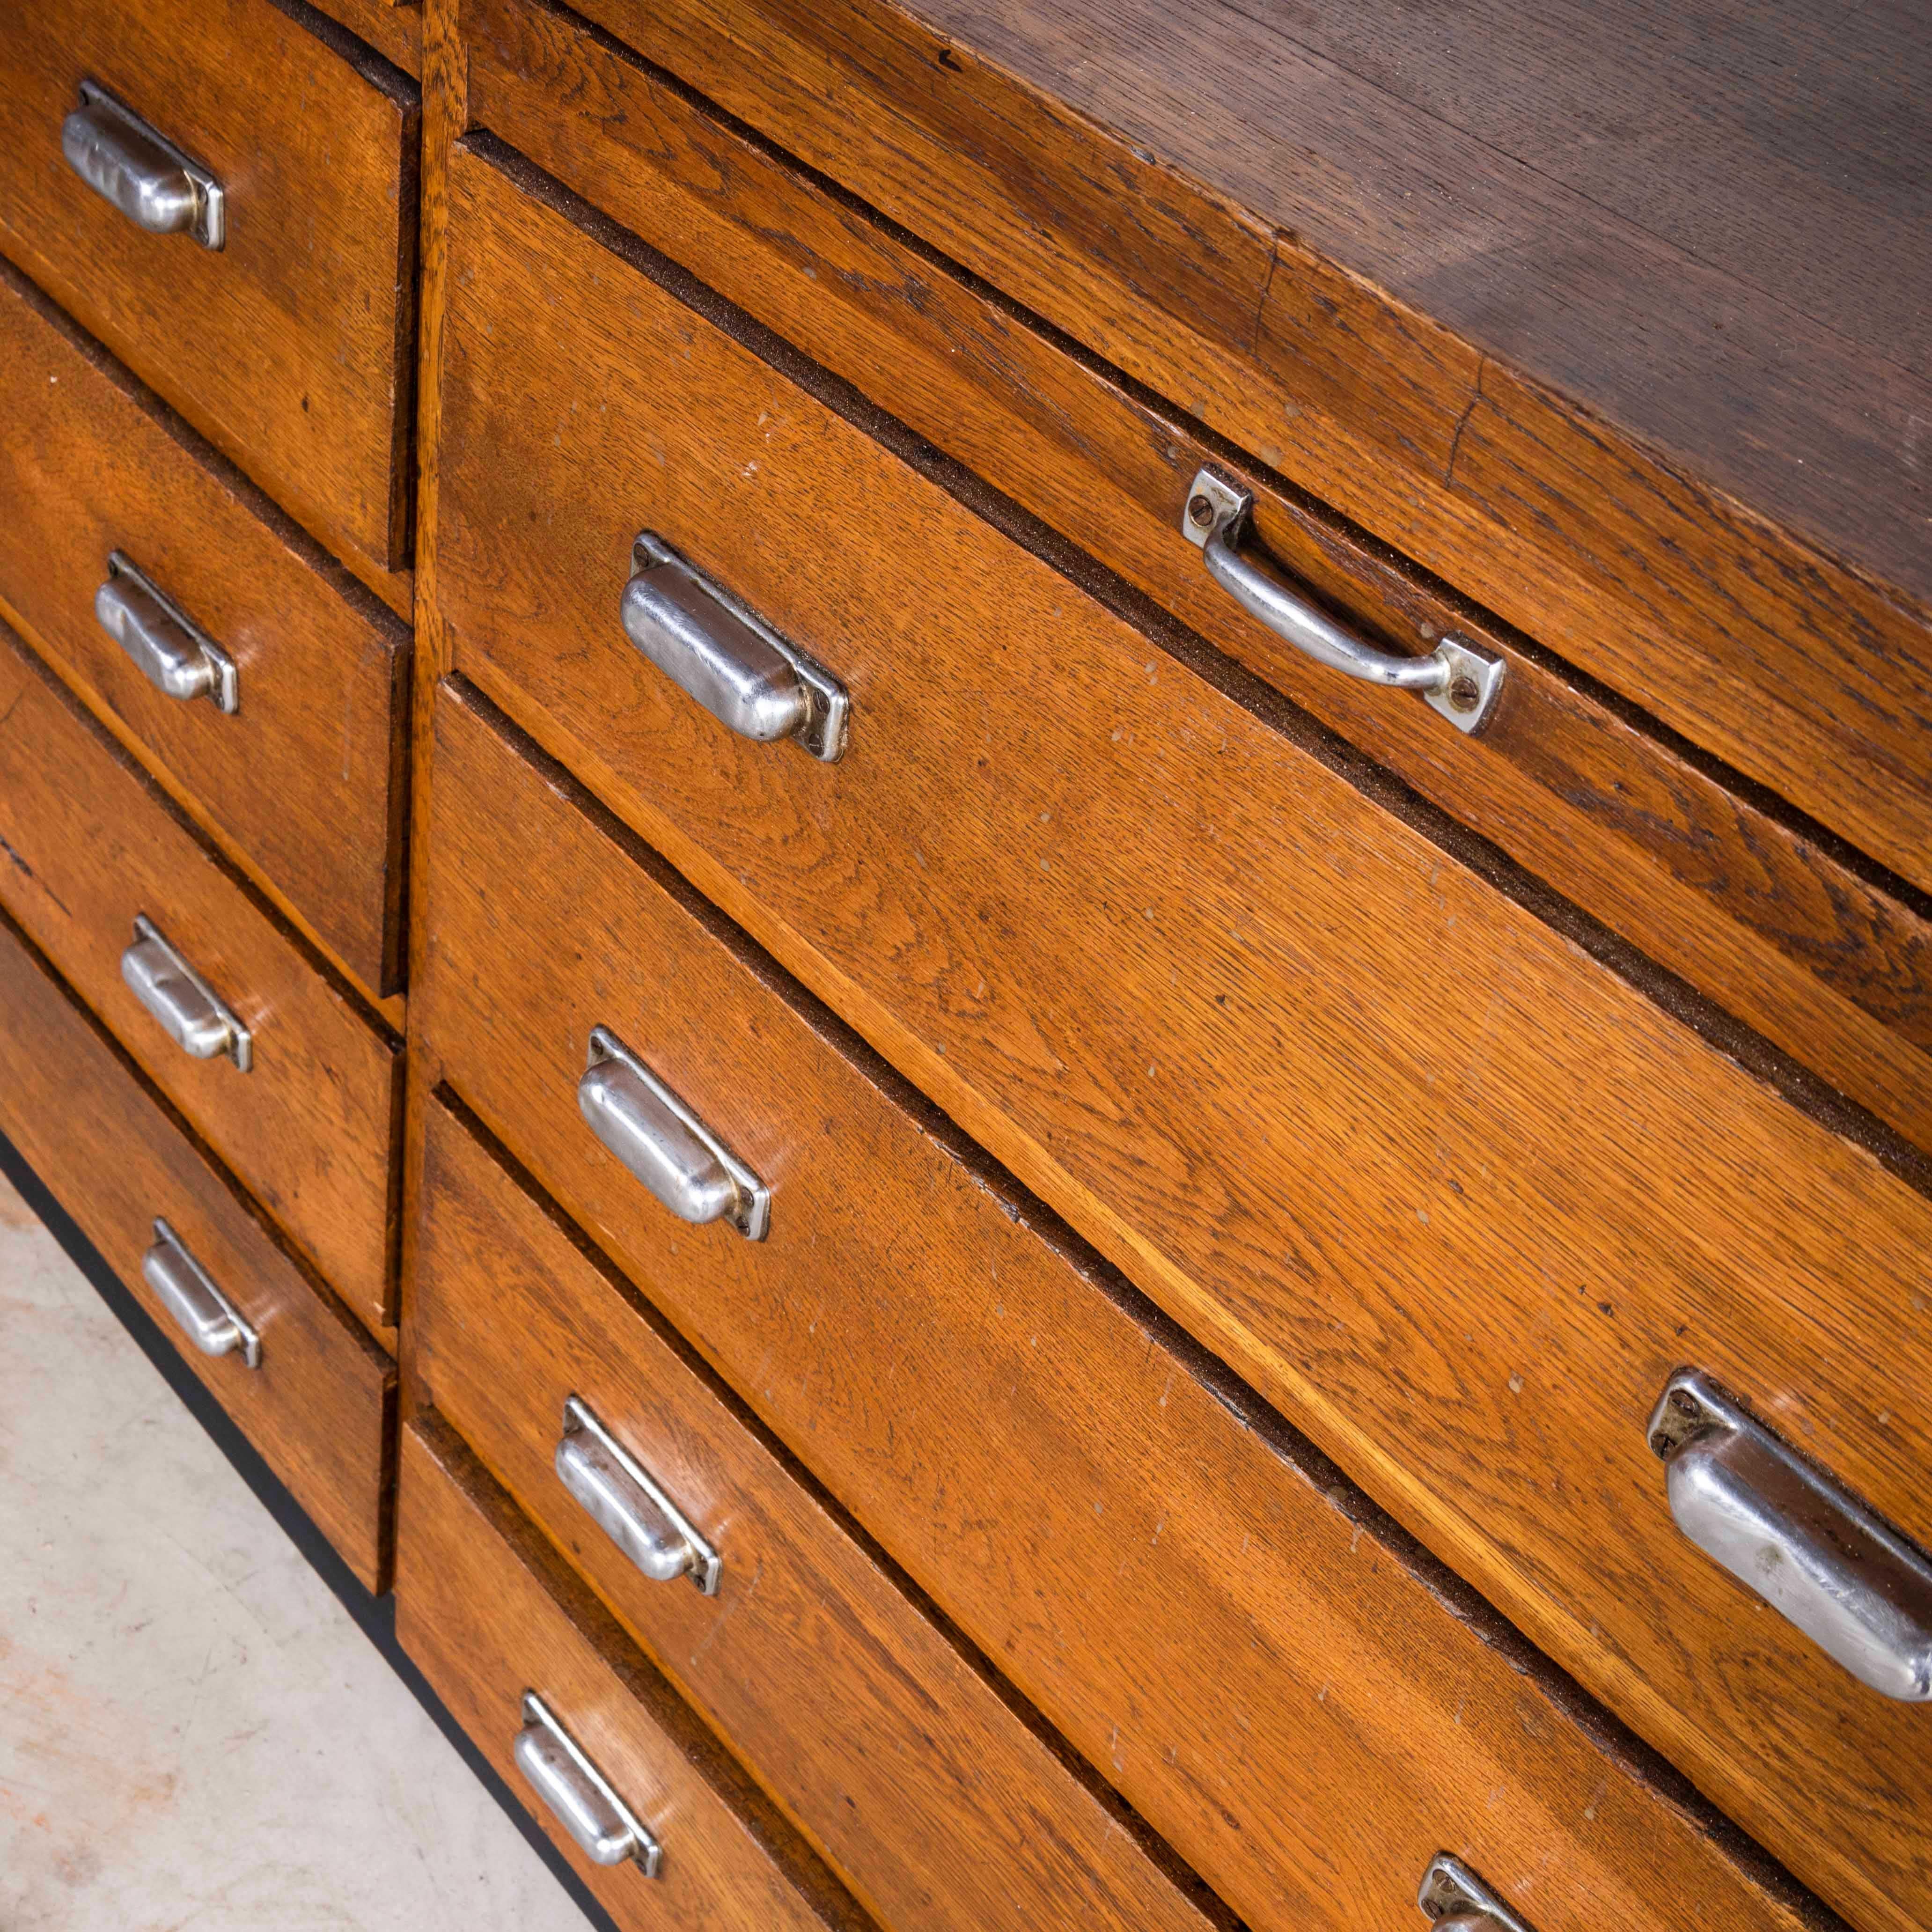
(193, 1733)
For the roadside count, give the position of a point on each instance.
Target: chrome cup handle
(714, 648)
(665, 1145)
(627, 1503)
(1859, 1588)
(141, 172)
(202, 1312)
(577, 1794)
(186, 1008)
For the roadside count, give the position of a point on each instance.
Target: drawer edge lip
(404, 91)
(367, 60)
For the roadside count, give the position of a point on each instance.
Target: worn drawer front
(938, 1807)
(490, 1615)
(1803, 673)
(289, 346)
(304, 777)
(1445, 1188)
(90, 846)
(393, 27)
(318, 1403)
(1786, 936)
(1108, 1516)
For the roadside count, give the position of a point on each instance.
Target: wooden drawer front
(289, 347)
(90, 845)
(1193, 1600)
(393, 27)
(490, 1614)
(1439, 1184)
(1643, 565)
(318, 1405)
(1787, 936)
(932, 1800)
(305, 777)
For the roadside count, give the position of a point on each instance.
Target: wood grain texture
(488, 1612)
(934, 1803)
(307, 778)
(320, 1407)
(1375, 1134)
(1753, 911)
(1206, 1609)
(443, 112)
(1347, 287)
(289, 349)
(87, 842)
(394, 28)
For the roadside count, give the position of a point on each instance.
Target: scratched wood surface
(394, 28)
(1760, 913)
(1278, 1056)
(488, 1612)
(89, 842)
(320, 1407)
(1675, 471)
(1204, 1607)
(290, 348)
(934, 1803)
(307, 777)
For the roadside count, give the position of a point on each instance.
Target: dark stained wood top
(1710, 223)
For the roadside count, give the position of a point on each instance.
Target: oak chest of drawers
(979, 922)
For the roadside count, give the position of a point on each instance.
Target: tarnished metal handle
(169, 651)
(735, 664)
(578, 1794)
(1456, 1900)
(201, 1311)
(1455, 679)
(1847, 1579)
(665, 1145)
(141, 171)
(624, 1501)
(191, 1013)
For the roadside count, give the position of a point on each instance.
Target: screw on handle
(664, 1144)
(577, 1794)
(141, 172)
(1456, 680)
(1796, 1536)
(622, 1499)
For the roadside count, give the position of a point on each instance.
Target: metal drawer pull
(1818, 1556)
(141, 172)
(734, 664)
(192, 1014)
(621, 1498)
(168, 649)
(665, 1145)
(1455, 679)
(1456, 1900)
(202, 1312)
(578, 1794)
